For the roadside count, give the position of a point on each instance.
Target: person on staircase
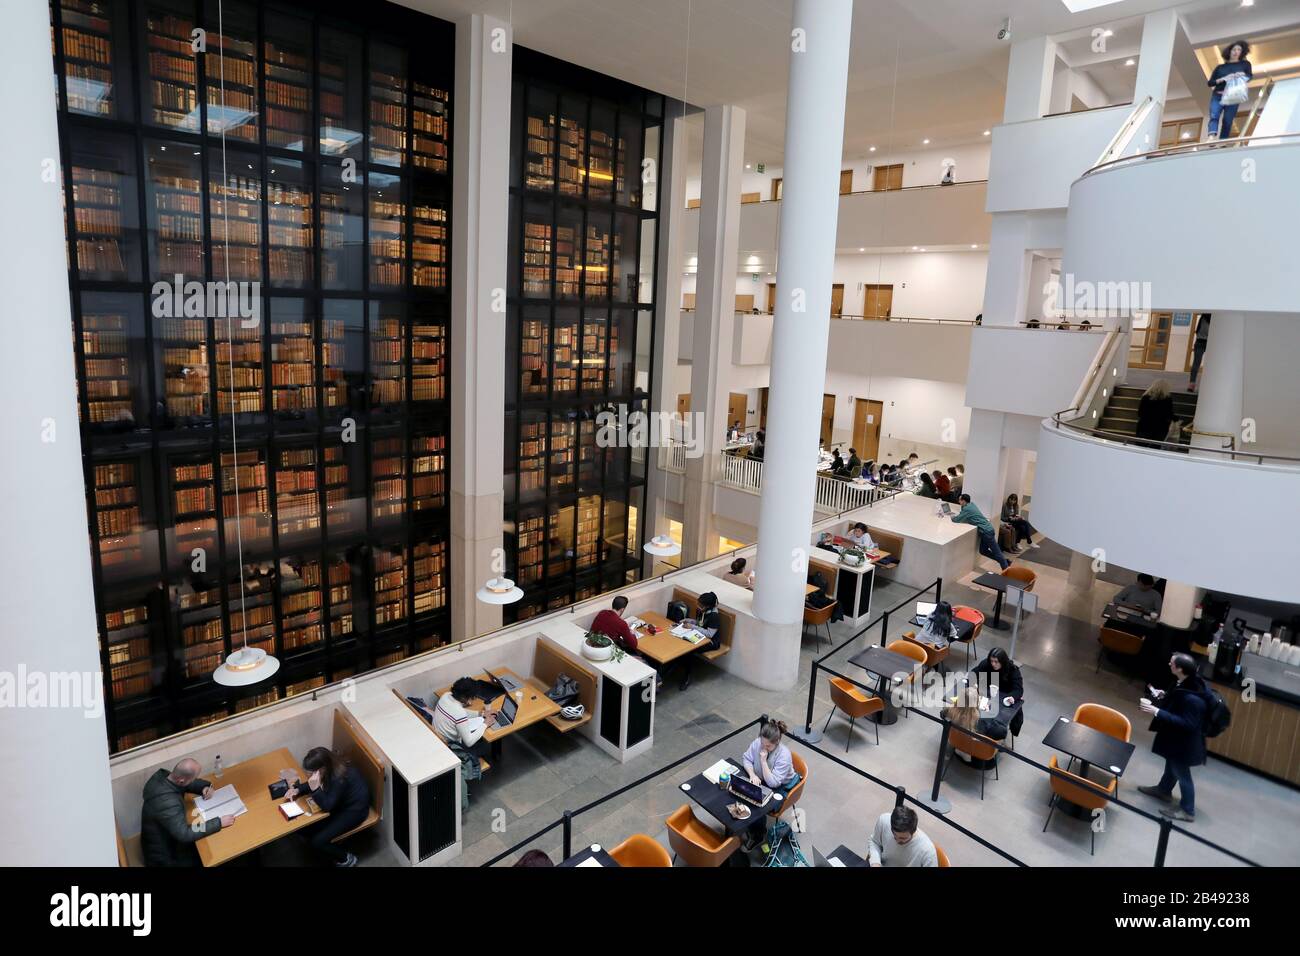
(1198, 348)
(1222, 114)
(1155, 413)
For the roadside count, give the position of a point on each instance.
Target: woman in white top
(738, 575)
(861, 538)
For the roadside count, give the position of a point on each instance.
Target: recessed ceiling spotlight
(914, 248)
(1130, 61)
(925, 142)
(972, 245)
(1247, 3)
(872, 149)
(748, 166)
(987, 132)
(862, 248)
(923, 248)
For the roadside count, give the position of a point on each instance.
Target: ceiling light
(663, 546)
(748, 166)
(987, 132)
(1130, 61)
(499, 591)
(872, 149)
(925, 142)
(248, 665)
(1186, 136)
(914, 248)
(972, 245)
(1247, 3)
(923, 248)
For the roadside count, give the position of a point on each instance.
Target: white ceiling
(918, 68)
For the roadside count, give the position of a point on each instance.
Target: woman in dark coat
(1155, 412)
(1178, 719)
(341, 791)
(1001, 668)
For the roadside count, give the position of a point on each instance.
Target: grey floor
(543, 773)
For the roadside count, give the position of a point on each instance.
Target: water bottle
(216, 764)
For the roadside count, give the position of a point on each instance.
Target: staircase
(1121, 411)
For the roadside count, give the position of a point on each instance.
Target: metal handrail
(1120, 139)
(1265, 140)
(1232, 439)
(1124, 439)
(1248, 129)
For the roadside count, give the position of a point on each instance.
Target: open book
(224, 802)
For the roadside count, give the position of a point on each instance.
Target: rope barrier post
(568, 834)
(938, 589)
(809, 735)
(900, 796)
(884, 627)
(935, 802)
(1162, 846)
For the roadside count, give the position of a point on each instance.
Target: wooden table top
(534, 706)
(663, 647)
(263, 823)
(809, 589)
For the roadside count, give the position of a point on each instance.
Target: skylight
(1079, 6)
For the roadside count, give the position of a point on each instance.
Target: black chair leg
(877, 723)
(852, 721)
(1092, 850)
(828, 719)
(1099, 653)
(983, 774)
(1051, 804)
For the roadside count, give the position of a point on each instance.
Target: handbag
(1236, 90)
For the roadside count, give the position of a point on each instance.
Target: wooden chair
(697, 843)
(1118, 642)
(348, 743)
(1080, 791)
(941, 856)
(816, 618)
(548, 664)
(791, 798)
(641, 850)
(855, 704)
(976, 747)
(974, 617)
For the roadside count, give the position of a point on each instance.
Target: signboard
(1182, 318)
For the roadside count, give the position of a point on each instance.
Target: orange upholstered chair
(855, 704)
(934, 656)
(791, 798)
(975, 746)
(943, 857)
(1018, 572)
(1081, 792)
(817, 618)
(977, 619)
(697, 843)
(1105, 719)
(1121, 642)
(641, 850)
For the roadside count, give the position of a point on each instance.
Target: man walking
(1178, 719)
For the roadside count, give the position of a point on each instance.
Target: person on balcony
(854, 462)
(1198, 348)
(942, 485)
(739, 576)
(956, 477)
(1155, 413)
(988, 539)
(1222, 114)
(838, 468)
(927, 489)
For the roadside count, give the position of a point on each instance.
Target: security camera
(1005, 32)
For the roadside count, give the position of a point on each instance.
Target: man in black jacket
(166, 837)
(1178, 719)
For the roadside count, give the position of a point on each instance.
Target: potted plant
(601, 647)
(853, 557)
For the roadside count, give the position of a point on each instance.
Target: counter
(1265, 731)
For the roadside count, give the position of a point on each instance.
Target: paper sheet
(591, 861)
(718, 769)
(223, 802)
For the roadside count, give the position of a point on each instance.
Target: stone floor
(543, 773)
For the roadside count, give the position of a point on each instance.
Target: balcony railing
(834, 495)
(673, 458)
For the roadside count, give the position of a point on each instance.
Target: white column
(480, 213)
(671, 203)
(814, 141)
(986, 461)
(54, 778)
(1007, 274)
(1159, 31)
(715, 319)
(1029, 79)
(1178, 609)
(1081, 574)
(1222, 381)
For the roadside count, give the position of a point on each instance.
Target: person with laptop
(610, 623)
(939, 628)
(768, 761)
(1142, 596)
(457, 725)
(898, 841)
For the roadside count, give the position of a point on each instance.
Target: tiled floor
(543, 773)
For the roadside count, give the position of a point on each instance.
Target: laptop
(945, 508)
(507, 683)
(820, 859)
(749, 792)
(509, 709)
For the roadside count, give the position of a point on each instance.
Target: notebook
(223, 803)
(718, 769)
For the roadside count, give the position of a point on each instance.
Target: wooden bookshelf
(428, 359)
(571, 147)
(287, 79)
(532, 458)
(588, 531)
(120, 530)
(387, 231)
(430, 127)
(293, 358)
(231, 67)
(387, 354)
(235, 218)
(340, 599)
(106, 366)
(290, 227)
(88, 27)
(387, 479)
(390, 586)
(564, 356)
(530, 542)
(429, 247)
(185, 368)
(172, 77)
(428, 472)
(304, 686)
(536, 258)
(192, 489)
(97, 204)
(245, 500)
(388, 92)
(534, 359)
(301, 607)
(429, 564)
(297, 503)
(202, 631)
(175, 213)
(240, 379)
(539, 152)
(563, 444)
(338, 515)
(127, 642)
(251, 608)
(257, 700)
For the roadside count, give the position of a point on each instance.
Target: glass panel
(387, 479)
(175, 203)
(245, 500)
(114, 374)
(648, 174)
(539, 245)
(572, 145)
(196, 604)
(127, 529)
(430, 239)
(96, 57)
(595, 339)
(564, 436)
(341, 229)
(429, 573)
(622, 358)
(340, 93)
(532, 455)
(646, 262)
(290, 224)
(391, 585)
(623, 283)
(287, 69)
(297, 504)
(539, 169)
(559, 542)
(170, 93)
(235, 216)
(231, 73)
(614, 530)
(588, 532)
(250, 604)
(599, 257)
(564, 352)
(129, 636)
(345, 488)
(387, 354)
(529, 541)
(534, 352)
(348, 607)
(629, 171)
(428, 471)
(428, 353)
(604, 165)
(568, 253)
(387, 231)
(431, 127)
(183, 343)
(589, 463)
(342, 360)
(192, 502)
(387, 105)
(240, 368)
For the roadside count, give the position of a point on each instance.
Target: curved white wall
(1216, 524)
(1210, 230)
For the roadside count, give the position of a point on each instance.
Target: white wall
(1272, 387)
(917, 414)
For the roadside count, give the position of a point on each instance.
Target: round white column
(1222, 381)
(814, 140)
(54, 777)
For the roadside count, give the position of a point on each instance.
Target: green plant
(596, 639)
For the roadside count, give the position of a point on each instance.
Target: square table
(888, 666)
(1090, 747)
(963, 626)
(847, 857)
(533, 706)
(1119, 614)
(263, 823)
(663, 647)
(594, 852)
(998, 582)
(715, 800)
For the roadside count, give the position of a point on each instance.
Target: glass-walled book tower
(585, 152)
(283, 480)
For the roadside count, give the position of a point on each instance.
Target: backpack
(677, 611)
(781, 848)
(564, 691)
(1217, 715)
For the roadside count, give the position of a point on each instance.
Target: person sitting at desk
(988, 539)
(610, 623)
(459, 727)
(826, 541)
(1142, 596)
(861, 537)
(939, 629)
(965, 713)
(733, 433)
(838, 468)
(340, 790)
(768, 761)
(927, 489)
(166, 837)
(956, 478)
(738, 576)
(942, 485)
(708, 620)
(1011, 683)
(897, 841)
(854, 461)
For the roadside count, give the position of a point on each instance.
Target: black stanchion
(1162, 845)
(937, 803)
(900, 797)
(938, 590)
(809, 735)
(884, 627)
(568, 834)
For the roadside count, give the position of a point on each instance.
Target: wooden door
(776, 187)
(744, 303)
(888, 177)
(837, 299)
(1149, 347)
(684, 404)
(771, 298)
(828, 419)
(688, 301)
(878, 301)
(747, 198)
(866, 427)
(736, 403)
(846, 182)
(762, 408)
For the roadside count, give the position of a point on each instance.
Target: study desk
(1130, 619)
(663, 647)
(963, 626)
(715, 801)
(594, 852)
(533, 704)
(892, 669)
(933, 546)
(263, 823)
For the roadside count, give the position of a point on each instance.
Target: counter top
(407, 741)
(569, 637)
(912, 516)
(1273, 679)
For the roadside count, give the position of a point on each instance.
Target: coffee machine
(1227, 657)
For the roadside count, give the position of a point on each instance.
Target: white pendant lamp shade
(248, 665)
(499, 591)
(663, 546)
